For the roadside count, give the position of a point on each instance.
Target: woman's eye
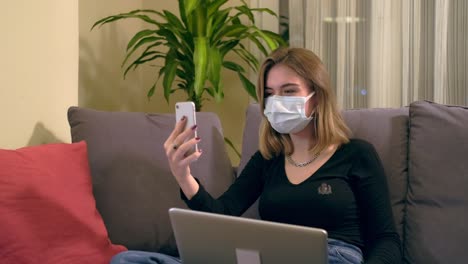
(289, 91)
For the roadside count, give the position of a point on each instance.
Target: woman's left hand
(178, 148)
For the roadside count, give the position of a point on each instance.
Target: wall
(39, 70)
(101, 85)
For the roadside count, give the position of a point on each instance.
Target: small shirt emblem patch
(324, 189)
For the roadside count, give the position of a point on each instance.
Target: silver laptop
(219, 239)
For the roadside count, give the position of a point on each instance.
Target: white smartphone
(187, 109)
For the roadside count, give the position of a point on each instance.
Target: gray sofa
(423, 148)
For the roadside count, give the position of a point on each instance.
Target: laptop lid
(214, 238)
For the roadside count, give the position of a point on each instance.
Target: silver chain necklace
(301, 164)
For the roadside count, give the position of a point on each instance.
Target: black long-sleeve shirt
(348, 197)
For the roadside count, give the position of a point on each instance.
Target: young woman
(306, 172)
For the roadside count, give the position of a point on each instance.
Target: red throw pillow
(47, 208)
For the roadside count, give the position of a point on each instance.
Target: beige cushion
(132, 183)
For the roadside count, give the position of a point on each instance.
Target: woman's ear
(311, 106)
(313, 101)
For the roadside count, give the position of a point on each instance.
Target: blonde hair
(330, 126)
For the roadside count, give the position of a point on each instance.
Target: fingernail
(200, 150)
(183, 118)
(194, 127)
(198, 138)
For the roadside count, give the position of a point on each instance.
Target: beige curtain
(384, 53)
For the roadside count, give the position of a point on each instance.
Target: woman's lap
(339, 252)
(143, 257)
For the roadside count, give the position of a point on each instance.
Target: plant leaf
(227, 46)
(190, 6)
(270, 42)
(219, 94)
(144, 57)
(246, 11)
(200, 60)
(138, 36)
(174, 20)
(233, 66)
(258, 44)
(229, 143)
(231, 30)
(278, 38)
(214, 6)
(248, 57)
(142, 42)
(169, 73)
(151, 11)
(267, 10)
(236, 20)
(183, 17)
(248, 86)
(214, 67)
(170, 38)
(216, 21)
(132, 14)
(210, 91)
(200, 16)
(151, 91)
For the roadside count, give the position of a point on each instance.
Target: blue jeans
(143, 257)
(339, 252)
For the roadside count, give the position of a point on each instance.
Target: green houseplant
(197, 42)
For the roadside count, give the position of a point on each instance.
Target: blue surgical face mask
(286, 114)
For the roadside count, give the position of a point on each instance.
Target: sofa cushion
(387, 130)
(47, 209)
(133, 185)
(436, 230)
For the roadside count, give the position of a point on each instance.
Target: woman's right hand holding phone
(178, 146)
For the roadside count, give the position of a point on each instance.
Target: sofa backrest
(386, 129)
